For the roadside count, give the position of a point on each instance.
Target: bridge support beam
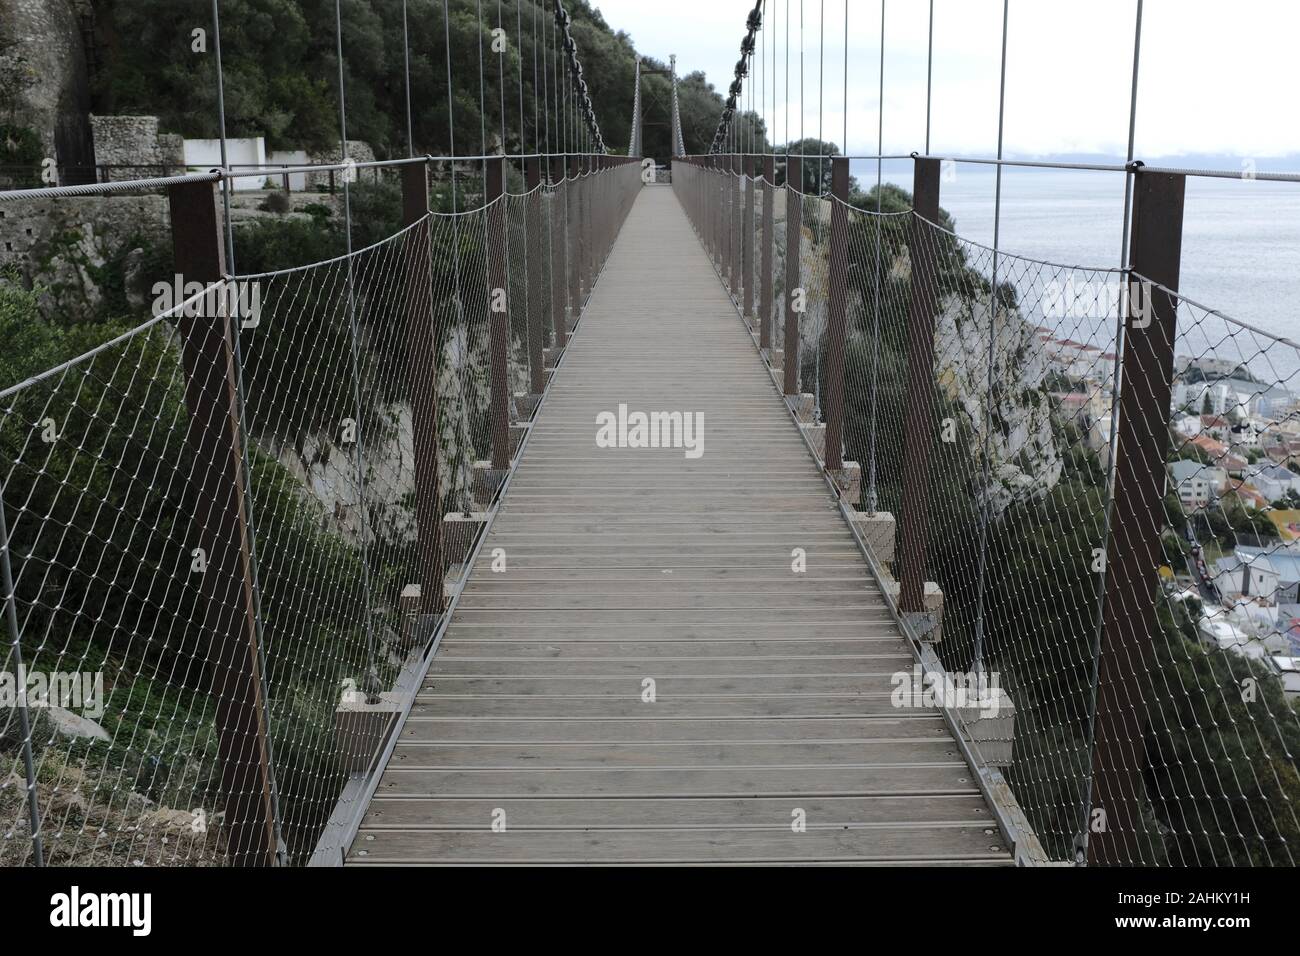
(1114, 831)
(752, 170)
(559, 255)
(574, 204)
(793, 245)
(533, 251)
(499, 306)
(837, 315)
(918, 426)
(765, 269)
(222, 529)
(735, 234)
(422, 376)
(719, 216)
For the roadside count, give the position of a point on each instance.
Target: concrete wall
(291, 157)
(204, 154)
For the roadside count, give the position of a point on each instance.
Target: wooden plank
(416, 813)
(885, 631)
(660, 665)
(704, 651)
(814, 601)
(667, 729)
(567, 756)
(706, 708)
(789, 780)
(791, 616)
(920, 843)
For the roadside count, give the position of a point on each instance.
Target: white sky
(1217, 76)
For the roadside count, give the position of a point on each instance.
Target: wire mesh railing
(232, 532)
(1128, 603)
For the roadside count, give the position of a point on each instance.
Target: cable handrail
(221, 174)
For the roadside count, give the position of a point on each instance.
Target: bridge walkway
(639, 573)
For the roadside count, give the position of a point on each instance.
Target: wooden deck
(772, 689)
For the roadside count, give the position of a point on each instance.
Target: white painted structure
(204, 154)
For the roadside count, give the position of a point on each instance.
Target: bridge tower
(639, 122)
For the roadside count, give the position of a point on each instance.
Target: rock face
(60, 245)
(43, 38)
(1022, 449)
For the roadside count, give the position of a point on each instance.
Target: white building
(1275, 482)
(241, 154)
(1193, 482)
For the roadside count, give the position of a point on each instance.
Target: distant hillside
(281, 70)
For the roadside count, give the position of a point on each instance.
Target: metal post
(793, 245)
(422, 374)
(715, 208)
(588, 233)
(1133, 555)
(221, 528)
(734, 236)
(727, 233)
(837, 315)
(498, 315)
(532, 249)
(918, 427)
(769, 241)
(747, 239)
(559, 254)
(573, 188)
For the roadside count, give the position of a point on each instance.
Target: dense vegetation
(281, 74)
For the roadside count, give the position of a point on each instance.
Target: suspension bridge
(638, 512)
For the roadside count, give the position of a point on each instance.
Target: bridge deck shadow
(648, 680)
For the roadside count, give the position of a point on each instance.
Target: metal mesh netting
(1220, 699)
(362, 407)
(1023, 528)
(96, 488)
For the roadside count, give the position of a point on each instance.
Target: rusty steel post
(1115, 833)
(559, 254)
(735, 231)
(793, 247)
(918, 426)
(747, 239)
(221, 527)
(574, 188)
(499, 306)
(837, 314)
(422, 375)
(533, 251)
(767, 265)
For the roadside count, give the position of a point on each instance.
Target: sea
(1240, 255)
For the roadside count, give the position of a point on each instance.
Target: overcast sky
(1217, 76)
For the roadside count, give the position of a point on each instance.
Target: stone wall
(61, 246)
(134, 148)
(56, 104)
(357, 150)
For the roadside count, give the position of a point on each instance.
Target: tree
(281, 75)
(816, 172)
